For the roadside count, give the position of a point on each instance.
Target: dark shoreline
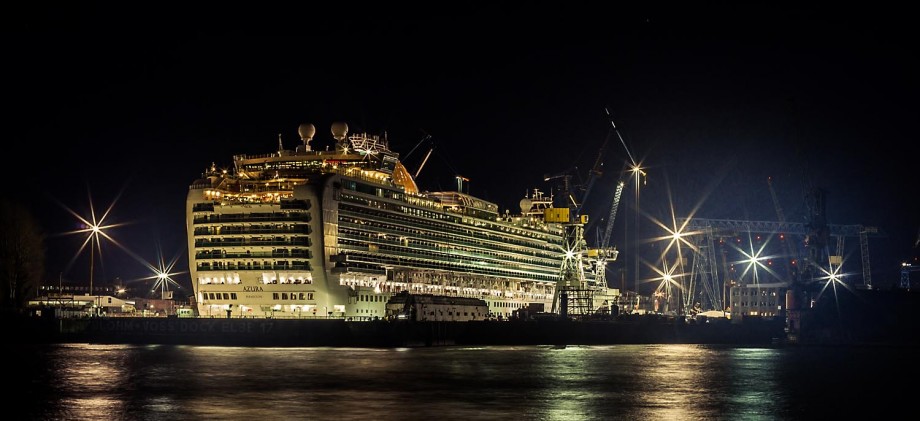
(872, 318)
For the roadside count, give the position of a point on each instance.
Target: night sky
(136, 107)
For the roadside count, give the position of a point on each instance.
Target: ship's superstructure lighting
(341, 231)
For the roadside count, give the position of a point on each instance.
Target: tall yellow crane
(571, 292)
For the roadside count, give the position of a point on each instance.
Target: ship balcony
(510, 261)
(362, 269)
(223, 254)
(240, 230)
(301, 266)
(363, 259)
(241, 242)
(251, 217)
(360, 231)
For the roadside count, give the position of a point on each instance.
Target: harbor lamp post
(92, 253)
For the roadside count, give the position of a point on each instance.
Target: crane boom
(595, 173)
(623, 142)
(608, 230)
(419, 170)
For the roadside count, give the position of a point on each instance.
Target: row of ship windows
(452, 251)
(536, 248)
(394, 195)
(252, 241)
(280, 265)
(378, 211)
(224, 254)
(218, 295)
(236, 281)
(287, 204)
(510, 262)
(292, 296)
(275, 296)
(232, 218)
(478, 233)
(469, 281)
(373, 190)
(283, 165)
(212, 218)
(484, 211)
(389, 194)
(478, 247)
(378, 260)
(256, 229)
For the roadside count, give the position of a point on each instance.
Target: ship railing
(517, 256)
(461, 234)
(248, 217)
(243, 157)
(355, 172)
(464, 264)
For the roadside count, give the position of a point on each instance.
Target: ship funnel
(339, 131)
(306, 132)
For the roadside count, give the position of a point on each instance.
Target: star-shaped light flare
(754, 259)
(95, 230)
(163, 272)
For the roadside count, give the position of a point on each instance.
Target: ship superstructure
(336, 233)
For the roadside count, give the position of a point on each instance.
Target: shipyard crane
(732, 227)
(595, 173)
(566, 196)
(603, 252)
(428, 155)
(572, 292)
(787, 245)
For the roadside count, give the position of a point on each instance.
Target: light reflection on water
(531, 382)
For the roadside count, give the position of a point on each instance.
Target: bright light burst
(637, 170)
(666, 277)
(832, 277)
(163, 272)
(95, 230)
(675, 234)
(754, 260)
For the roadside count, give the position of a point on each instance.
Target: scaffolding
(572, 298)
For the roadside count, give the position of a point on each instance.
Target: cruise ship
(336, 233)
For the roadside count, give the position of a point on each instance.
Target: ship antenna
(280, 147)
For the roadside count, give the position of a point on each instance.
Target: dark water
(646, 382)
